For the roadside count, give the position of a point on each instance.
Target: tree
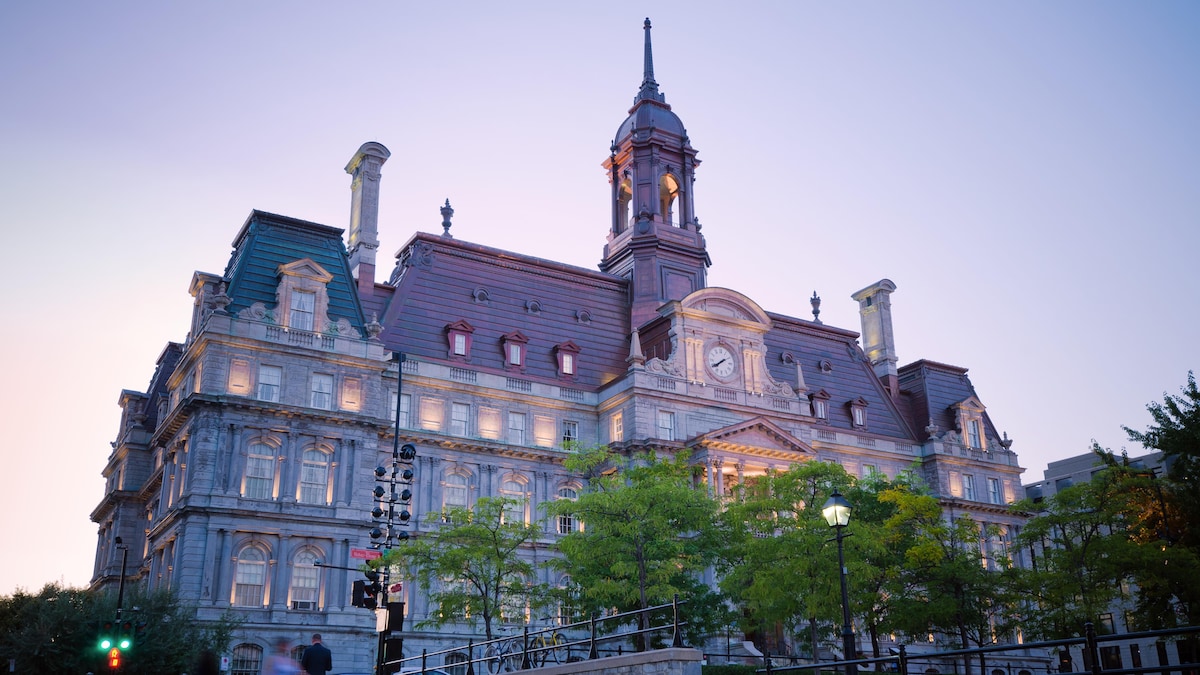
(774, 565)
(648, 534)
(472, 566)
(56, 631)
(943, 587)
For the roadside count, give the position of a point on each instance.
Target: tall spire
(649, 90)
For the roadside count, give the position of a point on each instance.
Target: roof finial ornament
(815, 300)
(649, 90)
(447, 214)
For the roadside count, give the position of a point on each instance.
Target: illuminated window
(516, 428)
(259, 481)
(304, 304)
(250, 574)
(305, 581)
(666, 425)
(566, 524)
(460, 419)
(322, 391)
(567, 354)
(269, 380)
(454, 491)
(239, 377)
(618, 428)
(314, 477)
(514, 511)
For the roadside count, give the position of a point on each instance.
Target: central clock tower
(654, 239)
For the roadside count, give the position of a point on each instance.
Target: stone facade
(250, 455)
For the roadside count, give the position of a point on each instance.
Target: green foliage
(648, 534)
(57, 631)
(472, 567)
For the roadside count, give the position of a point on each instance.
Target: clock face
(721, 362)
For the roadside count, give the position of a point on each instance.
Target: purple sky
(1026, 173)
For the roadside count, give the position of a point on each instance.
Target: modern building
(249, 457)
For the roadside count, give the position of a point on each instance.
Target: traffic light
(107, 635)
(125, 636)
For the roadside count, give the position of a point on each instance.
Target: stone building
(249, 457)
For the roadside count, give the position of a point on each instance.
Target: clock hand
(719, 362)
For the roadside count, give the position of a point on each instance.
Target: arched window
(513, 489)
(566, 612)
(314, 477)
(668, 190)
(454, 491)
(259, 482)
(456, 663)
(249, 577)
(247, 660)
(566, 523)
(306, 581)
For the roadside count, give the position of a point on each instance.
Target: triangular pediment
(971, 403)
(759, 437)
(305, 267)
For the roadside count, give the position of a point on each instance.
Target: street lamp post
(837, 514)
(121, 584)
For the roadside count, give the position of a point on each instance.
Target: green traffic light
(125, 643)
(105, 643)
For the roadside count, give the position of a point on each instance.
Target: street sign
(364, 554)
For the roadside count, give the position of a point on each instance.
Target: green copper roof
(267, 241)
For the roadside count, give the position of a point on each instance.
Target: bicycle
(551, 647)
(502, 656)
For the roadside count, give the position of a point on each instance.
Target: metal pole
(121, 584)
(847, 629)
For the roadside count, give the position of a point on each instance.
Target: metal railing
(535, 648)
(1046, 654)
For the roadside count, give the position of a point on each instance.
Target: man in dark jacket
(317, 659)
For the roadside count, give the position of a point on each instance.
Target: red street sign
(396, 587)
(364, 554)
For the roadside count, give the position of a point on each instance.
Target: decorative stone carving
(257, 312)
(657, 365)
(221, 300)
(341, 327)
(374, 328)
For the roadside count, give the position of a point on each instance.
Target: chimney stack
(364, 212)
(875, 311)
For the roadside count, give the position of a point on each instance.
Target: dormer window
(858, 412)
(458, 338)
(301, 297)
(820, 405)
(969, 415)
(515, 350)
(974, 437)
(567, 354)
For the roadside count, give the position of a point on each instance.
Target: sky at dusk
(1027, 173)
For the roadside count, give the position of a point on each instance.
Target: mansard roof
(498, 292)
(936, 389)
(268, 242)
(832, 360)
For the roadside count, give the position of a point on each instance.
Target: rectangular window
(666, 425)
(249, 581)
(305, 581)
(859, 416)
(516, 428)
(973, 435)
(820, 409)
(570, 432)
(260, 476)
(868, 470)
(460, 344)
(514, 353)
(994, 490)
(351, 393)
(618, 428)
(968, 486)
(460, 419)
(303, 306)
(568, 364)
(269, 380)
(322, 391)
(314, 478)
